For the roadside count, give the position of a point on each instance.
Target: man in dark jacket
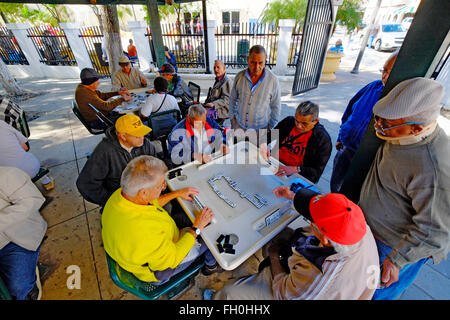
(101, 174)
(304, 144)
(355, 119)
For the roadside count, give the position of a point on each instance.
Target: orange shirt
(132, 50)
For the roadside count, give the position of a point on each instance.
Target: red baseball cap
(337, 217)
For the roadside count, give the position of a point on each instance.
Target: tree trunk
(9, 83)
(112, 37)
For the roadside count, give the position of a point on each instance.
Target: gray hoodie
(101, 174)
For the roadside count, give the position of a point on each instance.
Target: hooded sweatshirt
(101, 174)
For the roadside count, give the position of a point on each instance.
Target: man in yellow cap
(128, 77)
(100, 176)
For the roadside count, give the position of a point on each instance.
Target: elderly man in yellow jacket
(141, 236)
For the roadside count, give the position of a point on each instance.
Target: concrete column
(284, 42)
(19, 31)
(212, 51)
(139, 29)
(76, 43)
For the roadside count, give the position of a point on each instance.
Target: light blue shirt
(255, 106)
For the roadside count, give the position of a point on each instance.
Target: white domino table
(238, 188)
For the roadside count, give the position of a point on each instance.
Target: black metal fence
(93, 38)
(294, 48)
(52, 46)
(10, 51)
(185, 42)
(234, 40)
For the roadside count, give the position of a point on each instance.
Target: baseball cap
(132, 125)
(124, 60)
(89, 76)
(167, 68)
(337, 217)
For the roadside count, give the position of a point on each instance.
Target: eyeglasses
(381, 128)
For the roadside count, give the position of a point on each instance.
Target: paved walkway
(61, 142)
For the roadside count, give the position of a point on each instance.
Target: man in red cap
(335, 259)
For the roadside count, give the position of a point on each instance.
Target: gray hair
(142, 172)
(306, 108)
(196, 110)
(220, 61)
(257, 49)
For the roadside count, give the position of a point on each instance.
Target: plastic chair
(144, 290)
(195, 89)
(163, 137)
(4, 293)
(77, 112)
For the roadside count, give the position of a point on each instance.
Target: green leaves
(350, 14)
(285, 9)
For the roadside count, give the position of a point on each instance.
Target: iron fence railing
(93, 38)
(10, 51)
(294, 48)
(185, 42)
(52, 46)
(233, 41)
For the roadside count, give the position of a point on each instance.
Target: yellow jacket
(142, 238)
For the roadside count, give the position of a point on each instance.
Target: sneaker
(36, 292)
(49, 186)
(208, 294)
(207, 270)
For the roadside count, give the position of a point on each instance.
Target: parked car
(406, 23)
(389, 37)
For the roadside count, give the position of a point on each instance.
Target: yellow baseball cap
(132, 125)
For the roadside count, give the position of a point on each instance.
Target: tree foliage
(350, 14)
(285, 9)
(18, 12)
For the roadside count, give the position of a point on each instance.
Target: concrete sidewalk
(61, 142)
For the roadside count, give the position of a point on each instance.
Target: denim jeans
(18, 269)
(197, 250)
(341, 164)
(406, 276)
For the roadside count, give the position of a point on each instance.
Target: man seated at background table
(335, 259)
(217, 100)
(86, 93)
(128, 77)
(141, 236)
(100, 176)
(196, 137)
(305, 146)
(158, 102)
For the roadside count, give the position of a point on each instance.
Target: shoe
(206, 270)
(46, 202)
(208, 294)
(49, 186)
(36, 292)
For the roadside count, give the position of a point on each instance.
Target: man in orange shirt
(132, 50)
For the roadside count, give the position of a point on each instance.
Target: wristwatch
(196, 230)
(299, 169)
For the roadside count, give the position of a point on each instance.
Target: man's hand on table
(264, 151)
(127, 98)
(124, 91)
(286, 171)
(284, 192)
(203, 158)
(203, 218)
(187, 193)
(143, 81)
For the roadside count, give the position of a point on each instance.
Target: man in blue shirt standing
(254, 101)
(354, 124)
